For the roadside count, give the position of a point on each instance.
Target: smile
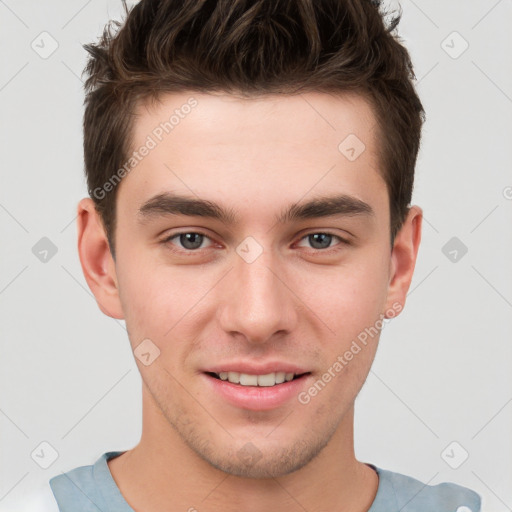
(246, 379)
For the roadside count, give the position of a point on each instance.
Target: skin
(294, 303)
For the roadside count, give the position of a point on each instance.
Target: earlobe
(96, 259)
(403, 259)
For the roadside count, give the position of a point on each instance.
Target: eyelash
(328, 250)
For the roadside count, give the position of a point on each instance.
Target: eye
(189, 240)
(321, 240)
(192, 241)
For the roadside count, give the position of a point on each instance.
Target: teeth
(248, 380)
(267, 380)
(234, 377)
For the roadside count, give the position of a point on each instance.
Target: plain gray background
(440, 389)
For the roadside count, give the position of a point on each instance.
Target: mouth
(266, 380)
(258, 387)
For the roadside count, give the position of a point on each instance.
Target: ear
(97, 263)
(403, 259)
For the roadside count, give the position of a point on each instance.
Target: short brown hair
(249, 48)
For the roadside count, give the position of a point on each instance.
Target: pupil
(325, 240)
(191, 240)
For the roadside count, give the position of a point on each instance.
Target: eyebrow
(325, 206)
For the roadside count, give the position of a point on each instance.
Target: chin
(260, 458)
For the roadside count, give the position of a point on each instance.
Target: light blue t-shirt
(93, 489)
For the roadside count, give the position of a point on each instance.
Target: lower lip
(257, 398)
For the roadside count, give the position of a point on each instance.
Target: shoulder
(88, 488)
(412, 495)
(74, 483)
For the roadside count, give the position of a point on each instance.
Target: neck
(163, 470)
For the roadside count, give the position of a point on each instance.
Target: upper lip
(257, 369)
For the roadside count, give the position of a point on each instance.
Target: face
(225, 273)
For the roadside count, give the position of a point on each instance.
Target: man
(250, 166)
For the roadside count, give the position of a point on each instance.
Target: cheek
(347, 299)
(162, 304)
(147, 297)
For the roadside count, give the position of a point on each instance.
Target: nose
(258, 302)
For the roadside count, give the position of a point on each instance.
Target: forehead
(265, 150)
(313, 117)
